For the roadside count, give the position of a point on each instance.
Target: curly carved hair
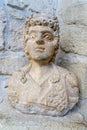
(41, 20)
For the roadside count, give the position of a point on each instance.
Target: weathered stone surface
(76, 14)
(77, 64)
(3, 88)
(2, 27)
(11, 61)
(43, 6)
(16, 15)
(15, 37)
(82, 108)
(73, 38)
(17, 4)
(15, 121)
(31, 6)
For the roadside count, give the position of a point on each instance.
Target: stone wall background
(73, 41)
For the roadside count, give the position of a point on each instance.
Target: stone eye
(48, 36)
(32, 35)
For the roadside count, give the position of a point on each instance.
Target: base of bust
(39, 109)
(10, 119)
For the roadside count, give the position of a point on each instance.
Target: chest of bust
(51, 93)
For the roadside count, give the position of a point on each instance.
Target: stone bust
(42, 87)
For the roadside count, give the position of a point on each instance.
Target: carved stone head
(41, 37)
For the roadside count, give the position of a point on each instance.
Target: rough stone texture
(3, 88)
(43, 5)
(16, 15)
(74, 11)
(82, 108)
(11, 61)
(15, 38)
(73, 39)
(18, 4)
(73, 42)
(77, 64)
(16, 121)
(76, 14)
(2, 28)
(31, 6)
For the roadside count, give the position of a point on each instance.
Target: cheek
(50, 48)
(56, 42)
(51, 45)
(29, 45)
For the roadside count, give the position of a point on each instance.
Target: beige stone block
(76, 14)
(77, 64)
(2, 28)
(73, 39)
(11, 61)
(15, 36)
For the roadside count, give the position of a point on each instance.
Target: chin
(42, 59)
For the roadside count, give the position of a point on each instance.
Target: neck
(38, 70)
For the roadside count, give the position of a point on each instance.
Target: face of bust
(41, 42)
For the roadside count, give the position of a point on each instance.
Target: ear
(56, 42)
(26, 51)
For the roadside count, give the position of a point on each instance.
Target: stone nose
(39, 39)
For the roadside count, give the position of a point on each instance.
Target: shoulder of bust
(69, 74)
(73, 89)
(72, 79)
(18, 76)
(58, 73)
(71, 83)
(62, 71)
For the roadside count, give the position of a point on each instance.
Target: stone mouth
(41, 48)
